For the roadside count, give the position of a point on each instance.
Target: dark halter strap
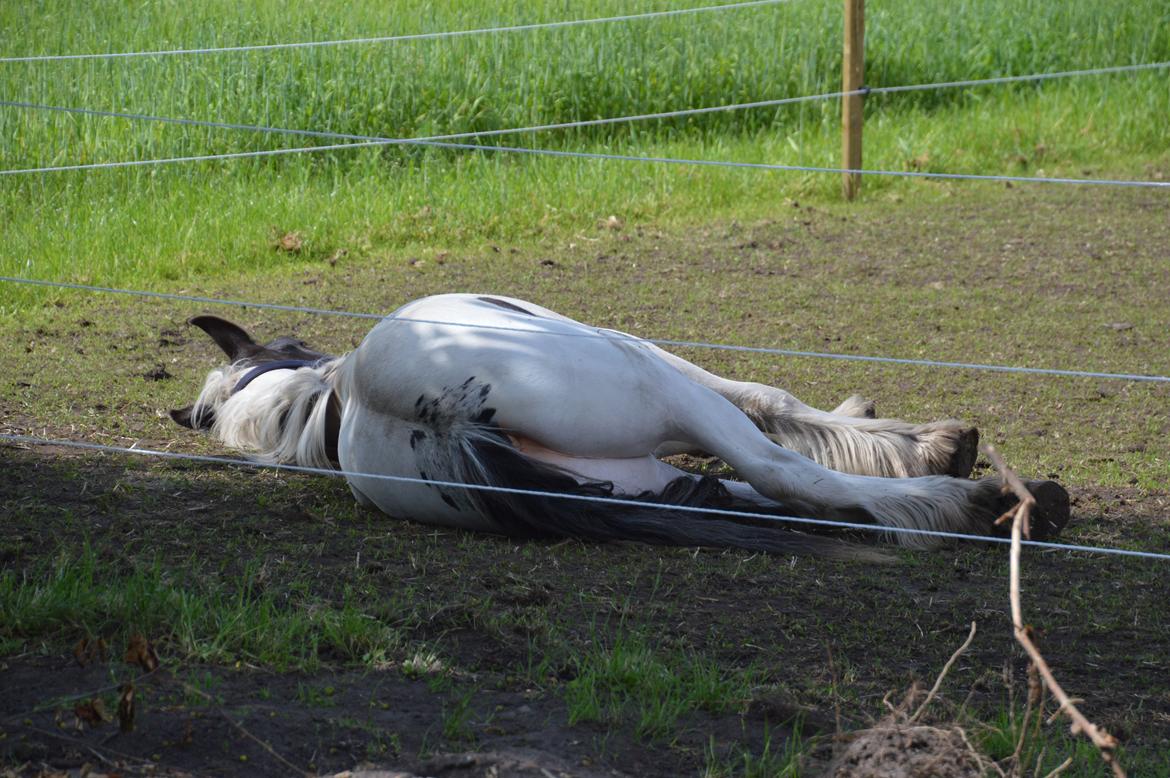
(282, 364)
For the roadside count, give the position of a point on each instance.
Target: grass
(630, 683)
(1045, 748)
(783, 761)
(190, 224)
(224, 621)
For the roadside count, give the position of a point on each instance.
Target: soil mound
(895, 749)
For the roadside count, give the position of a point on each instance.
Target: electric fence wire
(394, 38)
(599, 334)
(367, 141)
(302, 469)
(444, 141)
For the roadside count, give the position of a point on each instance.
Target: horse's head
(242, 351)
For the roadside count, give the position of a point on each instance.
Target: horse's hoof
(966, 452)
(1051, 511)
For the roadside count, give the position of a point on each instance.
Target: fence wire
(393, 38)
(358, 141)
(656, 341)
(719, 512)
(444, 141)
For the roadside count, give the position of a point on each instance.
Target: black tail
(498, 463)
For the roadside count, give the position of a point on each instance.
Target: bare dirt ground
(816, 629)
(507, 624)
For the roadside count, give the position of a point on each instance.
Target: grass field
(152, 225)
(336, 636)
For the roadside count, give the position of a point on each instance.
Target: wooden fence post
(852, 79)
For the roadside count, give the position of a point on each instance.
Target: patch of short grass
(219, 620)
(627, 682)
(1048, 744)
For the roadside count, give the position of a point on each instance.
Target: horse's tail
(487, 458)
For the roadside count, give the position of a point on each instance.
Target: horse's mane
(284, 423)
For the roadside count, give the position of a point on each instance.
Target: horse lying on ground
(494, 391)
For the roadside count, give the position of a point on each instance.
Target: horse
(476, 411)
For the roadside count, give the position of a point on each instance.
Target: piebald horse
(499, 392)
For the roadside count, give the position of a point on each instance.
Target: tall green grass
(191, 221)
(482, 82)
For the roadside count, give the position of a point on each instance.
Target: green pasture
(190, 222)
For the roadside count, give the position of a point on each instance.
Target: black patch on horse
(452, 405)
(507, 306)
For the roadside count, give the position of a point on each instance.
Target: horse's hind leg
(708, 421)
(859, 443)
(891, 449)
(848, 439)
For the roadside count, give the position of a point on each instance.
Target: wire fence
(446, 140)
(396, 38)
(449, 141)
(1139, 377)
(715, 512)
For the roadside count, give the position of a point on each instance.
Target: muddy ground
(486, 634)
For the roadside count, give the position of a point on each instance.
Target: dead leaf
(613, 223)
(126, 709)
(92, 712)
(290, 242)
(89, 649)
(337, 256)
(141, 653)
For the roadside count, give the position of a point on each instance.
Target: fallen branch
(1106, 743)
(240, 728)
(946, 669)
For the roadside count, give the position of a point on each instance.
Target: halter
(282, 364)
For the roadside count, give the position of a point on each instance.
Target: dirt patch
(891, 750)
(324, 722)
(489, 608)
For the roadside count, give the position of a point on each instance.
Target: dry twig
(240, 728)
(1106, 743)
(1067, 763)
(946, 669)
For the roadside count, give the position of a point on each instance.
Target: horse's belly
(629, 475)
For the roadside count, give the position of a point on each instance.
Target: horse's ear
(234, 341)
(182, 416)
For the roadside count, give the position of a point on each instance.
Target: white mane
(281, 423)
